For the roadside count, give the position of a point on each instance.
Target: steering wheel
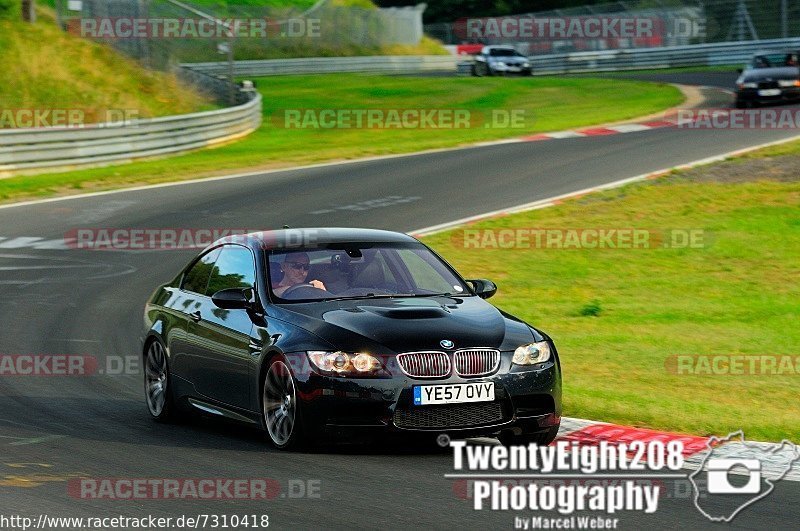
(296, 287)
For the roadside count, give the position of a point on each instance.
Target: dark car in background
(769, 78)
(501, 60)
(345, 331)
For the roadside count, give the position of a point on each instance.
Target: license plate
(514, 69)
(453, 393)
(769, 92)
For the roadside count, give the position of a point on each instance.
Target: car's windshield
(360, 270)
(774, 60)
(502, 52)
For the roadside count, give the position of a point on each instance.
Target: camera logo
(719, 483)
(735, 474)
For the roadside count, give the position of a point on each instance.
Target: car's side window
(196, 279)
(235, 268)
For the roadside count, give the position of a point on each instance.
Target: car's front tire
(282, 416)
(157, 383)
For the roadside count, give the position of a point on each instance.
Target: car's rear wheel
(157, 385)
(282, 418)
(543, 438)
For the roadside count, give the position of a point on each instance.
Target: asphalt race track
(67, 301)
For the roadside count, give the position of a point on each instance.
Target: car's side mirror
(483, 288)
(739, 70)
(233, 299)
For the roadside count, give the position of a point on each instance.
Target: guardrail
(60, 149)
(318, 65)
(716, 54)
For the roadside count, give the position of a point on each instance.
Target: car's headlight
(532, 354)
(500, 63)
(526, 65)
(748, 85)
(345, 363)
(789, 83)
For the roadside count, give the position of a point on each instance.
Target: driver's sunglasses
(298, 266)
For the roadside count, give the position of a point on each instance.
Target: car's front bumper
(525, 398)
(512, 70)
(754, 95)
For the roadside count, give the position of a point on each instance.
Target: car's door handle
(196, 316)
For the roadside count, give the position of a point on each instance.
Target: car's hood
(409, 324)
(761, 74)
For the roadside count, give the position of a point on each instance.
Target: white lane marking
(565, 134)
(35, 242)
(534, 205)
(550, 201)
(499, 142)
(19, 242)
(630, 128)
(370, 204)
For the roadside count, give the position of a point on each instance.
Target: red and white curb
(696, 449)
(600, 131)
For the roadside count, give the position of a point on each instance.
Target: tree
(8, 8)
(29, 10)
(452, 10)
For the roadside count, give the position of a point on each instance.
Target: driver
(295, 267)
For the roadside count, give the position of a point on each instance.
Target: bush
(10, 9)
(592, 309)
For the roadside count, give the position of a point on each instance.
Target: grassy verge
(619, 317)
(677, 70)
(547, 104)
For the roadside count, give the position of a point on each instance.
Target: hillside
(45, 68)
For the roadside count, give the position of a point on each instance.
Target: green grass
(618, 315)
(44, 68)
(677, 70)
(779, 150)
(549, 103)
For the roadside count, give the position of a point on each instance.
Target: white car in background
(501, 60)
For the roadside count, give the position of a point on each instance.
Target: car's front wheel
(157, 384)
(282, 417)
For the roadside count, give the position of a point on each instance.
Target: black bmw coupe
(769, 77)
(312, 332)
